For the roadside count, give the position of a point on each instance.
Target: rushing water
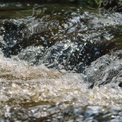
(61, 65)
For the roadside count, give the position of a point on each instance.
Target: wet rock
(76, 41)
(83, 31)
(16, 37)
(13, 33)
(73, 55)
(106, 69)
(32, 54)
(68, 55)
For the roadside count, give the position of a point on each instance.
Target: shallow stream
(60, 64)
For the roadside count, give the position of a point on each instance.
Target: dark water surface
(60, 63)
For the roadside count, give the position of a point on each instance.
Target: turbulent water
(61, 66)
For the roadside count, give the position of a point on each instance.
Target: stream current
(61, 65)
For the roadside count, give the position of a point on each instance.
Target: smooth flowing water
(60, 64)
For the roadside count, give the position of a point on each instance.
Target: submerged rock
(106, 69)
(68, 42)
(73, 56)
(13, 33)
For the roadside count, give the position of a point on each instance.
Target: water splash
(25, 81)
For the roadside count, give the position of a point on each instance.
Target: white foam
(21, 83)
